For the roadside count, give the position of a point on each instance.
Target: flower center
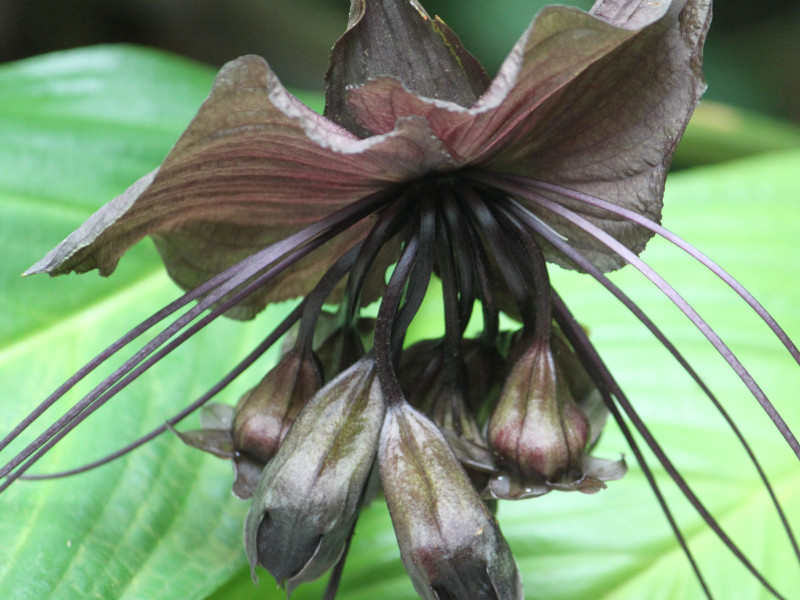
(469, 236)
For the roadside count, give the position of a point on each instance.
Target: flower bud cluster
(511, 420)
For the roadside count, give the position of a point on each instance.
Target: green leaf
(78, 127)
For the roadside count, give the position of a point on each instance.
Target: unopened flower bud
(448, 409)
(309, 494)
(264, 414)
(483, 367)
(419, 366)
(438, 394)
(537, 430)
(450, 543)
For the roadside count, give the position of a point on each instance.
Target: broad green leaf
(78, 127)
(75, 128)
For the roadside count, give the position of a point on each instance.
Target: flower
(539, 433)
(449, 540)
(251, 434)
(421, 162)
(306, 503)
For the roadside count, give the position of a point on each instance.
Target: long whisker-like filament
(674, 297)
(591, 359)
(243, 365)
(587, 266)
(575, 334)
(226, 295)
(683, 245)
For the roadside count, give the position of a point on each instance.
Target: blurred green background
(752, 59)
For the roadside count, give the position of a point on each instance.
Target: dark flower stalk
(425, 168)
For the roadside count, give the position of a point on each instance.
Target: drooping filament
(478, 235)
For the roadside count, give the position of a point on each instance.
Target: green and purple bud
(450, 543)
(265, 413)
(537, 431)
(307, 501)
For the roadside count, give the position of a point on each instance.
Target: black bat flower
(421, 167)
